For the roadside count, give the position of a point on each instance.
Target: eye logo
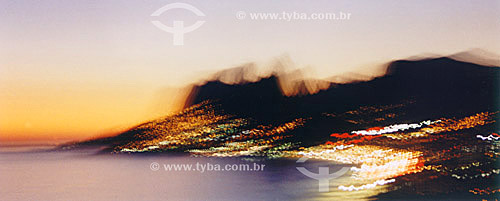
(323, 176)
(178, 30)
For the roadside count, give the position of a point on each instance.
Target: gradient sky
(76, 69)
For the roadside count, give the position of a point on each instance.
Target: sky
(80, 69)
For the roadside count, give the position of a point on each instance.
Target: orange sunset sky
(71, 70)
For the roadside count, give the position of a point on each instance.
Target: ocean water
(84, 175)
(87, 174)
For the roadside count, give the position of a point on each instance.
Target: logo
(323, 176)
(178, 30)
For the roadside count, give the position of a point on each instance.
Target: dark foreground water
(86, 176)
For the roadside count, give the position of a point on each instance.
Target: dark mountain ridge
(437, 85)
(412, 90)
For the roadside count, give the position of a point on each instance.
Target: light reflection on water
(85, 176)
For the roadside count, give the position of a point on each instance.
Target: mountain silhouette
(437, 85)
(410, 91)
